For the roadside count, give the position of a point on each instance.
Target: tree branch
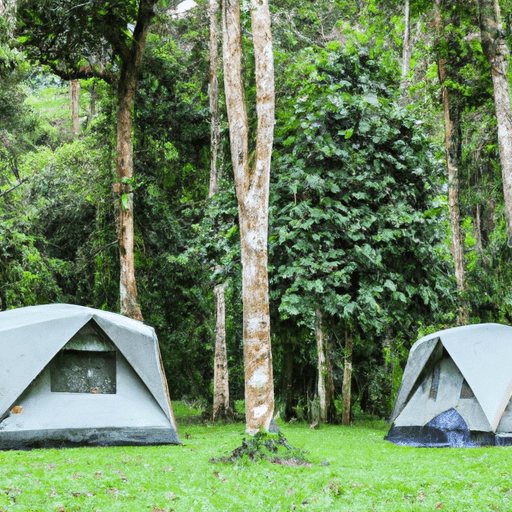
(24, 180)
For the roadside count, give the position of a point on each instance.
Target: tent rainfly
(456, 389)
(72, 376)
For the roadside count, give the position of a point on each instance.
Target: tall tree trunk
(497, 54)
(452, 105)
(92, 102)
(347, 378)
(8, 10)
(126, 87)
(252, 189)
(213, 8)
(74, 89)
(288, 379)
(325, 387)
(221, 408)
(406, 49)
(478, 229)
(322, 370)
(408, 45)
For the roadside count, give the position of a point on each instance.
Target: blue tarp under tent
(74, 376)
(456, 389)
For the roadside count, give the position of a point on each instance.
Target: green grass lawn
(353, 469)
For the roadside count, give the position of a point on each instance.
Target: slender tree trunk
(322, 370)
(8, 9)
(325, 387)
(221, 407)
(213, 8)
(332, 415)
(288, 380)
(126, 235)
(92, 102)
(452, 105)
(406, 49)
(478, 228)
(497, 54)
(74, 89)
(252, 188)
(127, 85)
(347, 379)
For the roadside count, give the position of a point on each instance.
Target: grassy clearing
(353, 469)
(53, 106)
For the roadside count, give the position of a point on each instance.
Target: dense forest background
(360, 233)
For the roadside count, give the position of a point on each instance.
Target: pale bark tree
(8, 10)
(408, 45)
(213, 9)
(406, 48)
(347, 378)
(322, 370)
(221, 406)
(252, 189)
(497, 54)
(74, 91)
(406, 54)
(452, 105)
(325, 386)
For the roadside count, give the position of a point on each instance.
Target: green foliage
(351, 222)
(69, 36)
(354, 225)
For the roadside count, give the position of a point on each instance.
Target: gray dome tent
(456, 389)
(71, 376)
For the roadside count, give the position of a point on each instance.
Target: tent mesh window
(465, 391)
(87, 364)
(436, 373)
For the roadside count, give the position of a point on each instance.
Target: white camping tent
(456, 389)
(71, 375)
